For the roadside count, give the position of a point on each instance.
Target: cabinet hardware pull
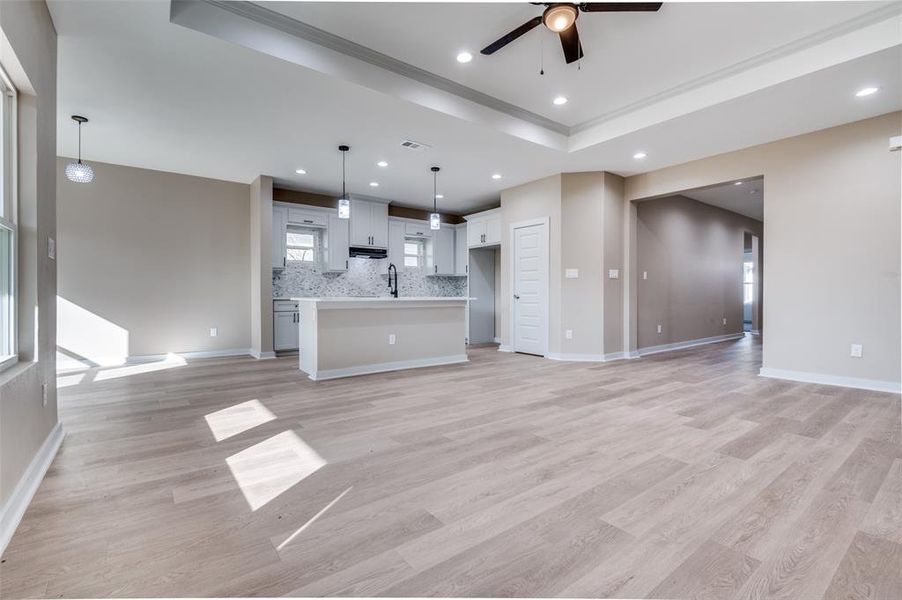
(308, 220)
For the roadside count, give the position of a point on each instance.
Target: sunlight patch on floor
(171, 361)
(237, 419)
(64, 381)
(271, 467)
(312, 520)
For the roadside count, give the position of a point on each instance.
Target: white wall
(149, 261)
(832, 228)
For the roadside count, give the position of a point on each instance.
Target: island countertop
(383, 301)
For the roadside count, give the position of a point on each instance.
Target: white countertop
(383, 301)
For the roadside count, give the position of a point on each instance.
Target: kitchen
(335, 260)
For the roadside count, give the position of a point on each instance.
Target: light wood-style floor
(682, 475)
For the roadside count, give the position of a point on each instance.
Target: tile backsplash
(364, 277)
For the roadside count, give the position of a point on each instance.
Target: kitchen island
(342, 337)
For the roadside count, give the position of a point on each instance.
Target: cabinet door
(493, 230)
(285, 331)
(299, 216)
(337, 241)
(279, 221)
(475, 231)
(396, 231)
(361, 218)
(443, 252)
(461, 253)
(379, 224)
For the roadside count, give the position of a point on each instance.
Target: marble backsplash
(364, 277)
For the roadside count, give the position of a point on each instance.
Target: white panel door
(530, 293)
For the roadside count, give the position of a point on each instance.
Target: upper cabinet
(336, 244)
(279, 222)
(441, 259)
(484, 229)
(369, 224)
(461, 254)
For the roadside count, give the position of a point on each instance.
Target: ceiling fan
(561, 19)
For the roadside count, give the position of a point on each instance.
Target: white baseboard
(18, 501)
(497, 340)
(389, 366)
(576, 357)
(876, 385)
(261, 355)
(505, 348)
(689, 343)
(146, 358)
(755, 332)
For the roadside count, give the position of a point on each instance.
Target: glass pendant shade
(435, 221)
(344, 208)
(344, 203)
(79, 172)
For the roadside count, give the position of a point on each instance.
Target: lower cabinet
(285, 326)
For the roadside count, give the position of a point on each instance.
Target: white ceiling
(165, 96)
(629, 56)
(747, 198)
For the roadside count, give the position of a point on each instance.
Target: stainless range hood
(365, 252)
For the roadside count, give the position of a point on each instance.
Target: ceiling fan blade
(619, 6)
(573, 49)
(510, 37)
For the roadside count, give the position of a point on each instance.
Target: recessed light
(867, 91)
(439, 196)
(738, 183)
(381, 163)
(496, 176)
(374, 184)
(560, 100)
(300, 171)
(639, 155)
(464, 57)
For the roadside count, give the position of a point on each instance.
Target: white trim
(261, 355)
(575, 357)
(504, 348)
(755, 332)
(388, 366)
(512, 247)
(496, 340)
(689, 343)
(146, 358)
(17, 503)
(876, 385)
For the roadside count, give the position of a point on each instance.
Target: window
(7, 223)
(414, 250)
(748, 282)
(301, 244)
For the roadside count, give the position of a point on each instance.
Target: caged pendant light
(344, 203)
(78, 171)
(435, 220)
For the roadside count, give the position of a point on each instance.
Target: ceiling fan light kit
(560, 18)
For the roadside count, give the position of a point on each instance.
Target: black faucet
(393, 289)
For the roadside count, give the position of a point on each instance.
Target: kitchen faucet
(393, 289)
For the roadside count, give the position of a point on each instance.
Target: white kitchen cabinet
(442, 256)
(336, 245)
(396, 235)
(279, 222)
(461, 253)
(369, 224)
(285, 331)
(484, 229)
(310, 218)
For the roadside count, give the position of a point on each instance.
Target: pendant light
(435, 220)
(344, 203)
(79, 172)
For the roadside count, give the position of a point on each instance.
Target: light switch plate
(855, 351)
(660, 329)
(214, 331)
(568, 334)
(571, 273)
(613, 273)
(644, 274)
(51, 248)
(391, 338)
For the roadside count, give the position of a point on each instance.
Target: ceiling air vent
(412, 145)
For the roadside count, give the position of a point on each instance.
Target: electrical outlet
(568, 333)
(391, 339)
(660, 329)
(44, 394)
(855, 351)
(725, 321)
(214, 331)
(613, 273)
(51, 248)
(644, 274)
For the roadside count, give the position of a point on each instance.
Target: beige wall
(832, 222)
(260, 219)
(613, 259)
(693, 255)
(162, 256)
(28, 53)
